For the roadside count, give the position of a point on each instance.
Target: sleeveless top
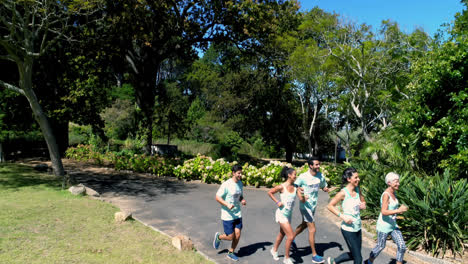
(387, 223)
(288, 199)
(350, 206)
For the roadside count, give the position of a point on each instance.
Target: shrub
(438, 213)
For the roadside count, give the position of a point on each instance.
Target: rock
(182, 242)
(121, 217)
(79, 189)
(91, 192)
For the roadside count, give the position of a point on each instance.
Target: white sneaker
(274, 254)
(288, 261)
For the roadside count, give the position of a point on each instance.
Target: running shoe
(232, 256)
(216, 241)
(317, 259)
(274, 254)
(288, 261)
(330, 260)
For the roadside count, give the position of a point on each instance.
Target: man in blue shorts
(229, 195)
(310, 182)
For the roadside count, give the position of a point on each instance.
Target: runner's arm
(363, 204)
(331, 206)
(223, 202)
(300, 194)
(242, 200)
(272, 192)
(384, 210)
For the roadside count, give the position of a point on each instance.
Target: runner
(229, 195)
(285, 205)
(386, 225)
(310, 182)
(352, 203)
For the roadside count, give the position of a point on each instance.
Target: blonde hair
(391, 176)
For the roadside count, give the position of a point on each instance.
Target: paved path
(175, 207)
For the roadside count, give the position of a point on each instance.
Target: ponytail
(347, 174)
(285, 172)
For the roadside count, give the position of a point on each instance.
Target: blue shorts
(229, 225)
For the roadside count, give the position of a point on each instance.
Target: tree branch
(12, 87)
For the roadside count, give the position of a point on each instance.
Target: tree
(312, 71)
(371, 71)
(29, 28)
(432, 123)
(165, 30)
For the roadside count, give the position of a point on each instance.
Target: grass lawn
(40, 223)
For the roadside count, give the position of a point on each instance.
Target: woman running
(285, 205)
(386, 225)
(352, 202)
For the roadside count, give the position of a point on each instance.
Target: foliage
(120, 119)
(432, 125)
(79, 134)
(124, 160)
(217, 171)
(437, 218)
(201, 167)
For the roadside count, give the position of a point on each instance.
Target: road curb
(103, 199)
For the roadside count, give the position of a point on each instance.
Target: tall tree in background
(29, 28)
(313, 72)
(162, 30)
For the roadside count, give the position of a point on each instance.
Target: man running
(310, 182)
(229, 195)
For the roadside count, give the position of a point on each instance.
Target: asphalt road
(176, 207)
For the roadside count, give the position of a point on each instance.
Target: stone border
(147, 225)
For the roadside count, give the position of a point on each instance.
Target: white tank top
(351, 210)
(288, 199)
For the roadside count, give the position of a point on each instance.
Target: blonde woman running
(386, 225)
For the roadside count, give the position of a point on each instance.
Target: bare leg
(300, 228)
(226, 237)
(279, 238)
(311, 227)
(235, 239)
(287, 229)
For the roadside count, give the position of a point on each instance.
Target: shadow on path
(248, 250)
(298, 253)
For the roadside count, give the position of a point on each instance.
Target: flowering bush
(124, 161)
(204, 168)
(199, 168)
(216, 171)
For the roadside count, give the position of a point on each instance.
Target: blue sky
(409, 14)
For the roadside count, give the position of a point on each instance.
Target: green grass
(40, 223)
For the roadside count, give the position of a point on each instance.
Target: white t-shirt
(231, 192)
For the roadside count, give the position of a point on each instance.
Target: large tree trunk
(41, 118)
(60, 130)
(145, 84)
